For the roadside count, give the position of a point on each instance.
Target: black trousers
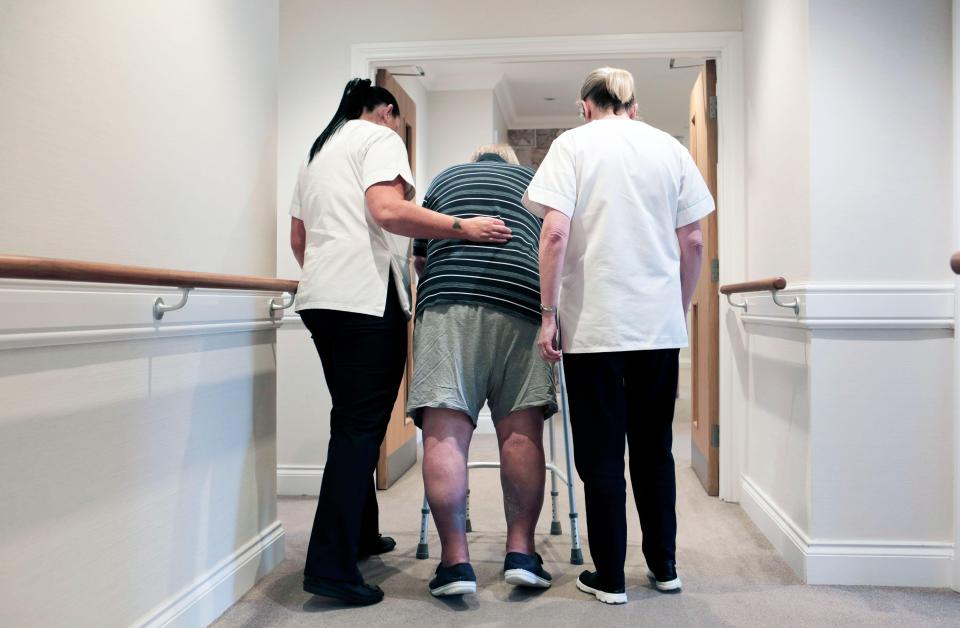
(363, 359)
(616, 397)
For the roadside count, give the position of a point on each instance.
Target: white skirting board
(296, 480)
(220, 588)
(818, 561)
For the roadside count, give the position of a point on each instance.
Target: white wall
(303, 400)
(880, 94)
(956, 301)
(776, 47)
(459, 123)
(848, 408)
(138, 458)
(499, 123)
(117, 116)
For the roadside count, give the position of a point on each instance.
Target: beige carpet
(731, 575)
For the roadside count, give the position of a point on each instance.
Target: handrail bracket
(790, 305)
(160, 308)
(742, 305)
(276, 306)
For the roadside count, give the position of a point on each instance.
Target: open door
(705, 307)
(398, 452)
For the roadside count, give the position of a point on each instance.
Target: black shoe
(356, 594)
(664, 577)
(525, 570)
(456, 579)
(587, 582)
(380, 545)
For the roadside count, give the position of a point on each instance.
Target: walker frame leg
(423, 547)
(469, 526)
(555, 528)
(576, 552)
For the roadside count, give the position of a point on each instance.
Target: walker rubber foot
(555, 529)
(469, 526)
(423, 551)
(576, 557)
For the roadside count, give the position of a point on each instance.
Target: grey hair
(503, 150)
(609, 88)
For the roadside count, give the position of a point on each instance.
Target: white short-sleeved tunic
(348, 256)
(627, 187)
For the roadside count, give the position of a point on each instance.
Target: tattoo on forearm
(456, 225)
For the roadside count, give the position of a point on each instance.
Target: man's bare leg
(446, 444)
(522, 475)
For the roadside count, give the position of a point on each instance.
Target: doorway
(622, 51)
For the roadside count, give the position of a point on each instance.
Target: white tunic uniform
(627, 187)
(348, 256)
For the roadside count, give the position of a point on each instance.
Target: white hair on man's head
(503, 150)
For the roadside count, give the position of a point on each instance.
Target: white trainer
(587, 582)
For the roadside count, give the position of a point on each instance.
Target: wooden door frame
(727, 49)
(705, 303)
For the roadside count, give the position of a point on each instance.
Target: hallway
(731, 574)
(165, 416)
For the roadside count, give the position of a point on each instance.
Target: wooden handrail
(759, 285)
(955, 262)
(17, 267)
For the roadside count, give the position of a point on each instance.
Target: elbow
(386, 217)
(554, 238)
(693, 245)
(388, 221)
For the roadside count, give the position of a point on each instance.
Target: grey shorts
(465, 355)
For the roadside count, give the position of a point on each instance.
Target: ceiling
(543, 94)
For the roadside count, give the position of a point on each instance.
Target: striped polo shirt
(503, 276)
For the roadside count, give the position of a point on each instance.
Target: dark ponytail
(358, 96)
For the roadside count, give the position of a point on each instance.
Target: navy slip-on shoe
(526, 570)
(456, 579)
(380, 545)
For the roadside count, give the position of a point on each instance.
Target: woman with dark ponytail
(352, 200)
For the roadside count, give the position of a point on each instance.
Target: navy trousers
(363, 359)
(616, 398)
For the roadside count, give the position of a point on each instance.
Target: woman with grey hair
(620, 255)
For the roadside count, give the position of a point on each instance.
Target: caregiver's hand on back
(389, 205)
(485, 229)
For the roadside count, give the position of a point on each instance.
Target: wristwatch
(548, 309)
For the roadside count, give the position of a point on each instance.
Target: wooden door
(398, 452)
(705, 307)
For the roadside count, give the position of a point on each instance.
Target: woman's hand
(547, 342)
(484, 229)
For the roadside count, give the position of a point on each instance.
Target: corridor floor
(731, 574)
